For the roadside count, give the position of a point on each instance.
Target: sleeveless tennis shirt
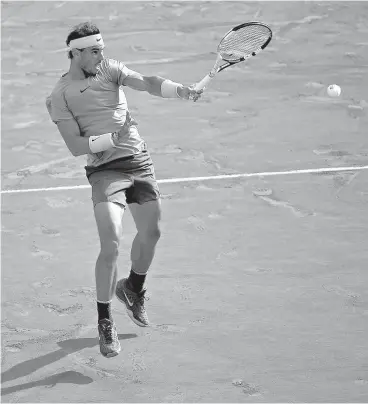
(99, 105)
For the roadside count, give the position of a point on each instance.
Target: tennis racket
(240, 43)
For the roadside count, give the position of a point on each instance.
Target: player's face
(90, 58)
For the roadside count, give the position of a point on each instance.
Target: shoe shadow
(51, 381)
(67, 347)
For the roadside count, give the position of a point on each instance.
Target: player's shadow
(67, 347)
(69, 376)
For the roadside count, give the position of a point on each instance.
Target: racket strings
(245, 41)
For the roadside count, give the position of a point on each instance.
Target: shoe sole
(130, 313)
(110, 354)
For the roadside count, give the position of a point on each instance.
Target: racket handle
(203, 83)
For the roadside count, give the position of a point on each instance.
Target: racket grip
(203, 83)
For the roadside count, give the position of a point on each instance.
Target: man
(88, 105)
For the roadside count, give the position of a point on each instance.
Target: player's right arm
(70, 131)
(67, 125)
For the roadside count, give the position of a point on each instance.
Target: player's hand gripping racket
(240, 43)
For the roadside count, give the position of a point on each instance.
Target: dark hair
(80, 31)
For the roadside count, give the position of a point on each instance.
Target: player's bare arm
(70, 132)
(160, 86)
(79, 145)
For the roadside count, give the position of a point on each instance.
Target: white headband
(86, 42)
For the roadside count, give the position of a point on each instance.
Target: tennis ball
(333, 90)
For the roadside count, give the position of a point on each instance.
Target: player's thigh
(147, 217)
(109, 200)
(109, 217)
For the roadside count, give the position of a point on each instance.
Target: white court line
(213, 177)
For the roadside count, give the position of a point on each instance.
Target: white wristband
(100, 143)
(169, 89)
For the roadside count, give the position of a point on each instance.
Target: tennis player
(89, 107)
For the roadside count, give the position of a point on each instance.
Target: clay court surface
(258, 292)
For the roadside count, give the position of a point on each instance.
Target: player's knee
(152, 234)
(156, 234)
(109, 249)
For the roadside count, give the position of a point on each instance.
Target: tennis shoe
(134, 303)
(108, 338)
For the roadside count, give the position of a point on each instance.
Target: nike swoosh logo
(98, 40)
(82, 91)
(126, 297)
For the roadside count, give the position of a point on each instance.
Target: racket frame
(218, 67)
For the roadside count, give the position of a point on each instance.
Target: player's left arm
(160, 86)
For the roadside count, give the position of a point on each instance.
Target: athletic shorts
(123, 181)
